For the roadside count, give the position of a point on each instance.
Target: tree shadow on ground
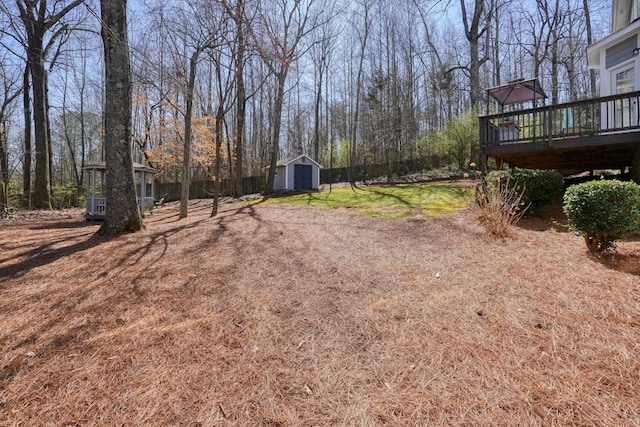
(45, 254)
(384, 195)
(320, 197)
(543, 224)
(225, 217)
(64, 225)
(57, 248)
(625, 258)
(551, 217)
(624, 263)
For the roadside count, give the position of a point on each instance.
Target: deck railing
(597, 116)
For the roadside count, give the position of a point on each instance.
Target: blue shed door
(302, 178)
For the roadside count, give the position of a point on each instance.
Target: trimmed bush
(539, 186)
(603, 212)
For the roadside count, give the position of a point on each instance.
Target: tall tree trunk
(217, 162)
(42, 185)
(592, 72)
(473, 33)
(83, 137)
(4, 164)
(26, 161)
(122, 213)
(555, 69)
(316, 113)
(66, 117)
(48, 127)
(354, 133)
(186, 155)
(275, 126)
(8, 97)
(497, 63)
(241, 96)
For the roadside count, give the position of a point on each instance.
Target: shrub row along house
(597, 133)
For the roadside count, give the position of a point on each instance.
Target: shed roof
(288, 160)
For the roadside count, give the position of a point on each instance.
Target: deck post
(635, 165)
(483, 144)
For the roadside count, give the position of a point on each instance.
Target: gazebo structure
(96, 200)
(518, 91)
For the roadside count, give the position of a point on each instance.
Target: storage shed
(297, 173)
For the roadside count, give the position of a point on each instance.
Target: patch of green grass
(386, 202)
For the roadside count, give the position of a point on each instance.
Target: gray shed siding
(279, 180)
(622, 51)
(291, 175)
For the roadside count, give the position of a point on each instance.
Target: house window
(624, 110)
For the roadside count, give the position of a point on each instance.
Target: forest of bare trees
(225, 88)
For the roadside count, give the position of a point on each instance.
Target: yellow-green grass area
(399, 201)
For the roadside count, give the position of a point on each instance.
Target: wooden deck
(599, 133)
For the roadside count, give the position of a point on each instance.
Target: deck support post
(484, 167)
(635, 165)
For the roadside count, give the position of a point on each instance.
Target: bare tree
(240, 20)
(186, 154)
(282, 26)
(26, 161)
(476, 25)
(589, 31)
(11, 89)
(364, 37)
(38, 20)
(224, 88)
(206, 36)
(320, 55)
(123, 214)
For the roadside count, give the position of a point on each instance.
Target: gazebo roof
(515, 91)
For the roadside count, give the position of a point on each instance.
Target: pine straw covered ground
(294, 316)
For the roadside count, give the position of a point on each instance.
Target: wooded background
(365, 82)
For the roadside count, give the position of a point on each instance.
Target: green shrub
(539, 186)
(603, 212)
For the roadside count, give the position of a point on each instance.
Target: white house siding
(612, 51)
(613, 54)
